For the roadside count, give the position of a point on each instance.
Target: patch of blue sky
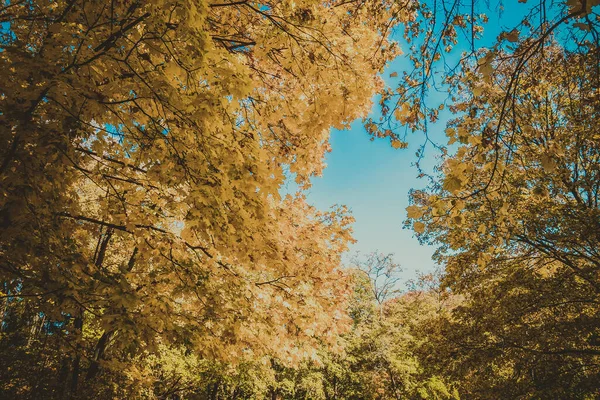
(6, 35)
(115, 132)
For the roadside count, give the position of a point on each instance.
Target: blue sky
(373, 179)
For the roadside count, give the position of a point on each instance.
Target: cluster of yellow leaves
(515, 215)
(144, 145)
(500, 171)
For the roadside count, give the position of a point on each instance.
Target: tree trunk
(98, 354)
(78, 325)
(107, 335)
(215, 391)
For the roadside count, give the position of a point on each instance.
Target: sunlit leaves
(144, 147)
(515, 211)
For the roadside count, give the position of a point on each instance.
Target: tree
(515, 215)
(382, 272)
(143, 147)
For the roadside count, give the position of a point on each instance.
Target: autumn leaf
(414, 212)
(512, 36)
(452, 183)
(419, 227)
(548, 163)
(398, 144)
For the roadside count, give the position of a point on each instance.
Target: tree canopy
(144, 145)
(514, 212)
(147, 249)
